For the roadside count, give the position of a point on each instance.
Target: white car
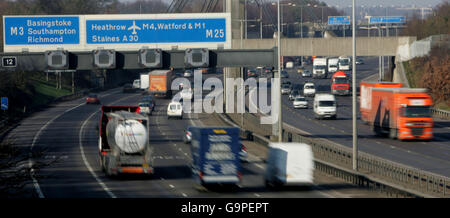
(145, 108)
(175, 109)
(300, 102)
(309, 89)
(187, 73)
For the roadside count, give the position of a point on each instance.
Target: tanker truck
(124, 141)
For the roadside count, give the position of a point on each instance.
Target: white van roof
(324, 97)
(295, 161)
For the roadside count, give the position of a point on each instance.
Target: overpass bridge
(334, 46)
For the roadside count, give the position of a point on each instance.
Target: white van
(289, 65)
(324, 106)
(175, 109)
(137, 84)
(289, 164)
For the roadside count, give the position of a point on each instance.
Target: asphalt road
(66, 133)
(433, 156)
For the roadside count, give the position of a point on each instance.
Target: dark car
(284, 74)
(127, 88)
(251, 73)
(92, 99)
(151, 101)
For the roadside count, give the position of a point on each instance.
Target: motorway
(66, 133)
(432, 156)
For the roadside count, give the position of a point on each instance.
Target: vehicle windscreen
(285, 86)
(173, 107)
(144, 105)
(416, 111)
(300, 99)
(309, 87)
(321, 67)
(340, 81)
(344, 61)
(327, 103)
(92, 96)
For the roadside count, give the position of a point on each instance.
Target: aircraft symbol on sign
(134, 28)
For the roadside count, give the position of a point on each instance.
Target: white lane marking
(184, 195)
(35, 139)
(86, 163)
(170, 185)
(259, 166)
(257, 195)
(83, 156)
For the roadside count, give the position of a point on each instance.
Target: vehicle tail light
(239, 175)
(243, 147)
(201, 174)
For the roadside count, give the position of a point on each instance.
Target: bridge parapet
(335, 46)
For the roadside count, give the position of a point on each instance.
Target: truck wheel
(393, 133)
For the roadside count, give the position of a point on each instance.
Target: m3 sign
(9, 61)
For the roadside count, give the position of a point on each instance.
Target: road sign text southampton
(119, 32)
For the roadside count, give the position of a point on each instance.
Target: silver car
(300, 102)
(285, 89)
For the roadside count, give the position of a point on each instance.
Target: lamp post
(281, 6)
(355, 131)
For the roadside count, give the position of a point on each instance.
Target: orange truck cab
(340, 83)
(404, 113)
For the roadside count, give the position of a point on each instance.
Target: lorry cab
(404, 113)
(340, 83)
(345, 63)
(325, 106)
(289, 164)
(333, 65)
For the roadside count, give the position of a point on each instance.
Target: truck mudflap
(135, 170)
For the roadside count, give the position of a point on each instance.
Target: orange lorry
(340, 83)
(160, 83)
(403, 113)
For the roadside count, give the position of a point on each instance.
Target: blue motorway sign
(41, 30)
(338, 20)
(388, 19)
(4, 103)
(156, 31)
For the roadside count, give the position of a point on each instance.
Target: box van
(289, 164)
(324, 106)
(215, 155)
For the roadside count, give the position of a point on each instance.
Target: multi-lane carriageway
(432, 156)
(66, 132)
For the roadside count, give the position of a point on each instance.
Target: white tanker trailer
(124, 141)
